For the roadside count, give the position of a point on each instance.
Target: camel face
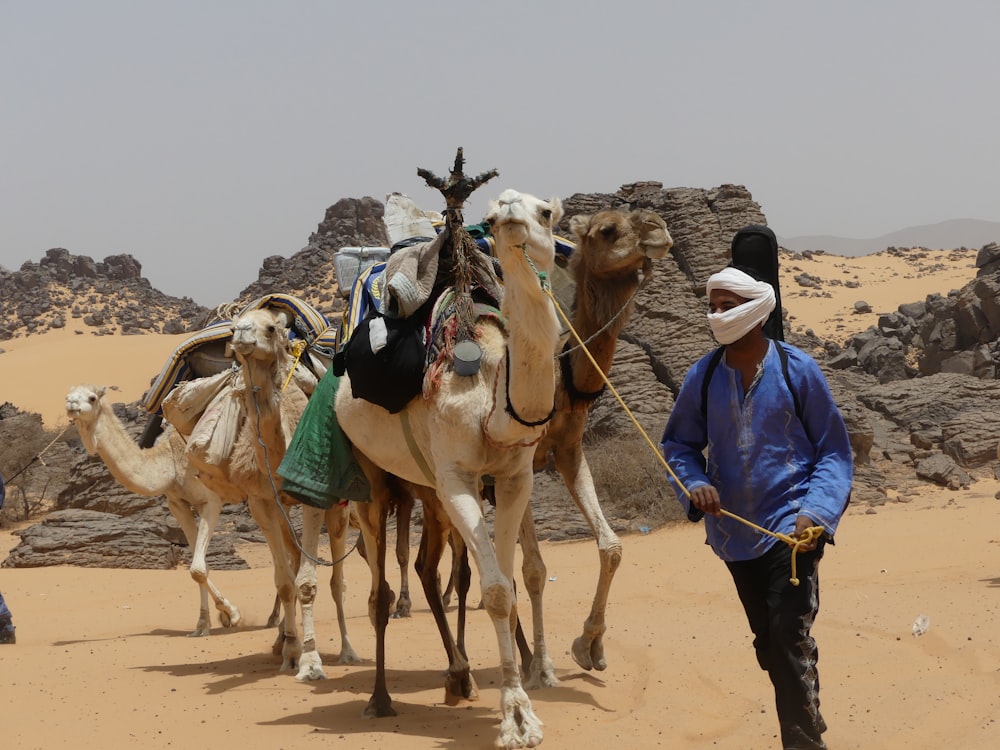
(618, 242)
(654, 238)
(83, 403)
(260, 334)
(525, 222)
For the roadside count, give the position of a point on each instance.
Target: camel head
(261, 335)
(83, 406)
(522, 224)
(612, 243)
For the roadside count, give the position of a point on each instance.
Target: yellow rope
(42, 452)
(297, 348)
(809, 535)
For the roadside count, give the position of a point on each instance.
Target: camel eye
(546, 213)
(608, 230)
(92, 399)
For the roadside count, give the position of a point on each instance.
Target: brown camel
(274, 397)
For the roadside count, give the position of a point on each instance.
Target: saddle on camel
(400, 329)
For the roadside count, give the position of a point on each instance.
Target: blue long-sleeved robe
(767, 464)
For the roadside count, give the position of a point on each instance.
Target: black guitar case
(756, 248)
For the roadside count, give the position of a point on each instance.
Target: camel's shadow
(478, 720)
(166, 633)
(476, 725)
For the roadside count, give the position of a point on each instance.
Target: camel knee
(612, 556)
(286, 593)
(535, 575)
(498, 600)
(307, 592)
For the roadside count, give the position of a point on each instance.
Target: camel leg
(198, 534)
(404, 512)
(275, 617)
(459, 557)
(538, 669)
(519, 726)
(338, 521)
(310, 663)
(459, 683)
(275, 530)
(372, 517)
(588, 648)
(462, 574)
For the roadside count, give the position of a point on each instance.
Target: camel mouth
(244, 348)
(657, 249)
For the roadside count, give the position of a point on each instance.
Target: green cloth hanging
(319, 468)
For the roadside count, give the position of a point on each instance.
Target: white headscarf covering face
(734, 324)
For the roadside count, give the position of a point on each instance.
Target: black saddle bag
(392, 376)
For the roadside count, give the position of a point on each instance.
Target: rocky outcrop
(64, 290)
(958, 332)
(350, 222)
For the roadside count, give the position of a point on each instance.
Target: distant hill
(947, 235)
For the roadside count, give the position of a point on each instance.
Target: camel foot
(310, 668)
(379, 707)
(291, 655)
(540, 674)
(402, 607)
(460, 686)
(229, 616)
(203, 627)
(589, 654)
(349, 656)
(519, 726)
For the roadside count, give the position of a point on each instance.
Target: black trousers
(781, 616)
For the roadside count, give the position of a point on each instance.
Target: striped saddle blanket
(204, 353)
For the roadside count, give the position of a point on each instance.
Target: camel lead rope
(297, 349)
(37, 456)
(809, 535)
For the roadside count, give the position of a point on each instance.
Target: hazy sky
(203, 136)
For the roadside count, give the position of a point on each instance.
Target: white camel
(274, 399)
(162, 469)
(471, 426)
(612, 259)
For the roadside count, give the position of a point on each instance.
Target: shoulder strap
(713, 363)
(783, 356)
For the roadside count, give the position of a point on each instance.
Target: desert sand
(102, 656)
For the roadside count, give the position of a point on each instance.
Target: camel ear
(557, 210)
(579, 224)
(101, 390)
(285, 318)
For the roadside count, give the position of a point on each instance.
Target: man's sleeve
(683, 442)
(833, 472)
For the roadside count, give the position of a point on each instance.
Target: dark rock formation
(118, 299)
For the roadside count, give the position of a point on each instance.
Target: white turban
(734, 324)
